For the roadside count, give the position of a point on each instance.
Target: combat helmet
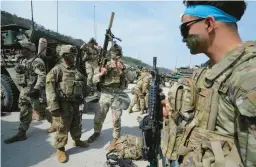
(28, 45)
(116, 51)
(144, 69)
(92, 40)
(68, 49)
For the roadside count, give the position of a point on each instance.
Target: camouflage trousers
(138, 100)
(146, 100)
(109, 100)
(70, 120)
(135, 101)
(26, 105)
(91, 69)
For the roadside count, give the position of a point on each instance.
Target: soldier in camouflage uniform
(213, 116)
(137, 93)
(31, 78)
(141, 92)
(91, 59)
(113, 81)
(145, 87)
(64, 88)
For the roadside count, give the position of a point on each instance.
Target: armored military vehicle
(182, 72)
(10, 55)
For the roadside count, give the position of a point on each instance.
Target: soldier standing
(113, 80)
(91, 59)
(31, 78)
(215, 124)
(64, 89)
(138, 97)
(141, 92)
(145, 87)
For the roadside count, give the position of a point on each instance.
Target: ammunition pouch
(182, 98)
(171, 139)
(21, 79)
(206, 148)
(72, 88)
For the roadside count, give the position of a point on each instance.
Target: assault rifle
(109, 36)
(151, 124)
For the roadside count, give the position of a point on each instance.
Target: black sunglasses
(184, 28)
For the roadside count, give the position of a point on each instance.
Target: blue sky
(147, 29)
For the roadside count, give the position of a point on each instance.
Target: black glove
(19, 69)
(56, 113)
(34, 93)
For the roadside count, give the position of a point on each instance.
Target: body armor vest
(194, 124)
(71, 85)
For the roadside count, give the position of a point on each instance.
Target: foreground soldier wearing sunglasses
(219, 127)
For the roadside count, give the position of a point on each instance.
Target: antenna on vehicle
(33, 27)
(95, 35)
(57, 16)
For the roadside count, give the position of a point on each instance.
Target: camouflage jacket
(31, 74)
(91, 53)
(224, 105)
(114, 77)
(64, 83)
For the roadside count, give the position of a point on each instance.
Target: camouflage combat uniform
(91, 58)
(64, 88)
(112, 96)
(31, 79)
(145, 88)
(138, 97)
(213, 115)
(141, 92)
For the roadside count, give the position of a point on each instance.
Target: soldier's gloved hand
(103, 71)
(34, 93)
(19, 69)
(56, 113)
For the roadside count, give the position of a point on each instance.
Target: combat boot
(20, 136)
(112, 145)
(93, 137)
(61, 155)
(52, 129)
(129, 109)
(80, 143)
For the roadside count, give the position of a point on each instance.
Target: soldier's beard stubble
(193, 41)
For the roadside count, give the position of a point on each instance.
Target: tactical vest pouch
(182, 97)
(171, 139)
(208, 149)
(21, 79)
(67, 88)
(78, 88)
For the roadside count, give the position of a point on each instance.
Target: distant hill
(135, 62)
(8, 18)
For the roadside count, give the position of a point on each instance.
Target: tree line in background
(8, 18)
